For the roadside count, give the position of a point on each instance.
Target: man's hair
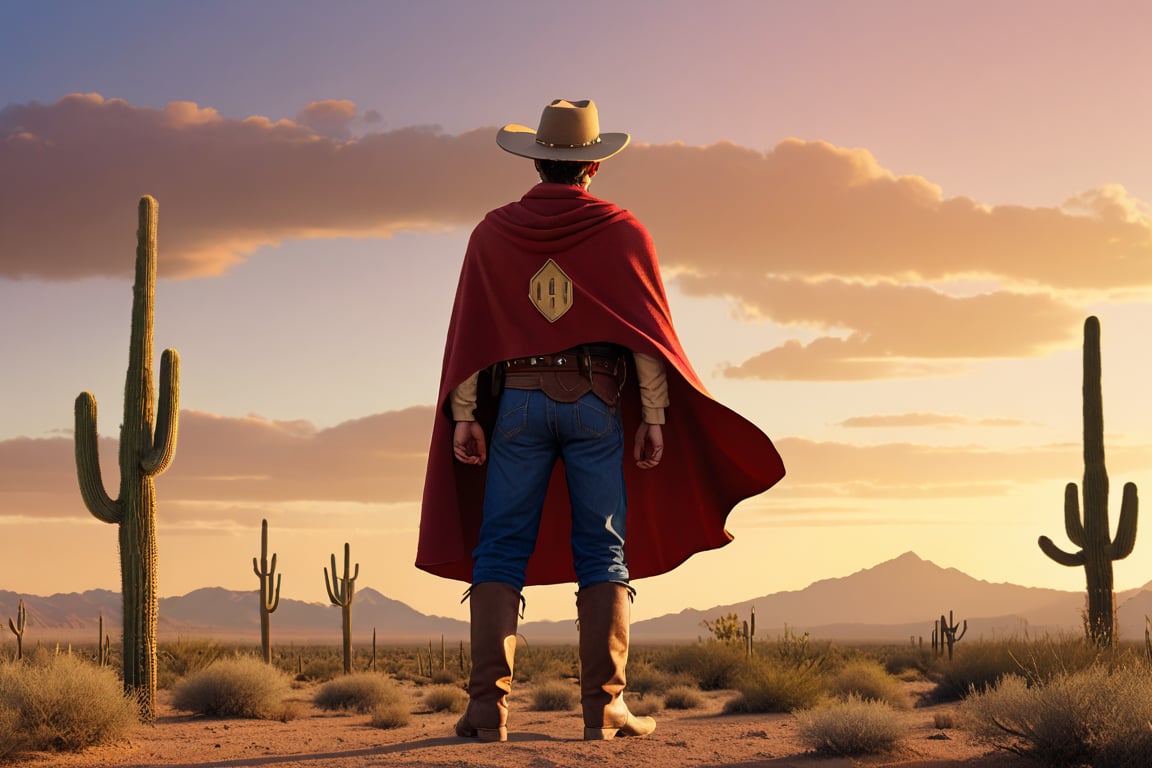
(564, 171)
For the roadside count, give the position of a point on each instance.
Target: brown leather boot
(494, 610)
(603, 611)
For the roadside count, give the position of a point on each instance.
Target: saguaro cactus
(269, 595)
(147, 445)
(948, 636)
(341, 592)
(17, 628)
(1092, 535)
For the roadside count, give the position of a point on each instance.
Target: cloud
(904, 420)
(804, 209)
(857, 262)
(239, 462)
(810, 209)
(332, 118)
(895, 331)
(73, 171)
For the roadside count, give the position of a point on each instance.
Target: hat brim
(521, 140)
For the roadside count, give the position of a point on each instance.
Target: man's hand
(468, 443)
(649, 446)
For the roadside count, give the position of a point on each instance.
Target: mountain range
(894, 601)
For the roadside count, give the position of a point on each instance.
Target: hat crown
(569, 124)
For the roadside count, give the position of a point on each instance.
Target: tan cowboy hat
(569, 130)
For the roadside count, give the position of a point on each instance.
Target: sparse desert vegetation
(1055, 701)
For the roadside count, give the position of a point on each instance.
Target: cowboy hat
(569, 130)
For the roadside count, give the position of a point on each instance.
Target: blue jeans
(532, 431)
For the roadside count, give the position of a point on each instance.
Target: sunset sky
(881, 226)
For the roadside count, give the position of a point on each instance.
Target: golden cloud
(903, 420)
(804, 209)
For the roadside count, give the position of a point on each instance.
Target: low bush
(359, 692)
(555, 696)
(851, 727)
(712, 665)
(446, 698)
(61, 703)
(444, 677)
(179, 659)
(645, 706)
(386, 716)
(979, 665)
(238, 687)
(867, 679)
(646, 678)
(1070, 719)
(539, 665)
(683, 697)
(772, 687)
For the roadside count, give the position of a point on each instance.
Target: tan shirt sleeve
(653, 379)
(463, 399)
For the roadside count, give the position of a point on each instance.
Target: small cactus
(948, 630)
(269, 594)
(341, 592)
(17, 628)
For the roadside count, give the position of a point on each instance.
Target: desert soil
(320, 739)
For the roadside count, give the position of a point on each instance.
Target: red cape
(713, 457)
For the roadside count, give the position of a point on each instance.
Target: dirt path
(318, 739)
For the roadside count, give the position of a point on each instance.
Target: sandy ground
(319, 739)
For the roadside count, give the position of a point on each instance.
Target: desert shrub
(538, 665)
(645, 678)
(61, 703)
(1126, 753)
(555, 696)
(851, 727)
(11, 737)
(446, 698)
(393, 715)
(645, 705)
(175, 661)
(1067, 720)
(683, 697)
(773, 687)
(319, 669)
(868, 680)
(799, 651)
(981, 664)
(445, 677)
(238, 687)
(908, 661)
(712, 665)
(359, 692)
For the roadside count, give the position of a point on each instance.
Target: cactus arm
(92, 490)
(1072, 522)
(1125, 539)
(1059, 555)
(256, 568)
(168, 417)
(333, 585)
(274, 602)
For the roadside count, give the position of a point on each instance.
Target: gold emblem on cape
(550, 291)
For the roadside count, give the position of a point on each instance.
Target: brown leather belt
(562, 361)
(569, 375)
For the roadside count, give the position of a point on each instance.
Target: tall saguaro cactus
(1092, 534)
(269, 595)
(341, 591)
(147, 445)
(17, 628)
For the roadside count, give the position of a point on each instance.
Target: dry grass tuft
(239, 687)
